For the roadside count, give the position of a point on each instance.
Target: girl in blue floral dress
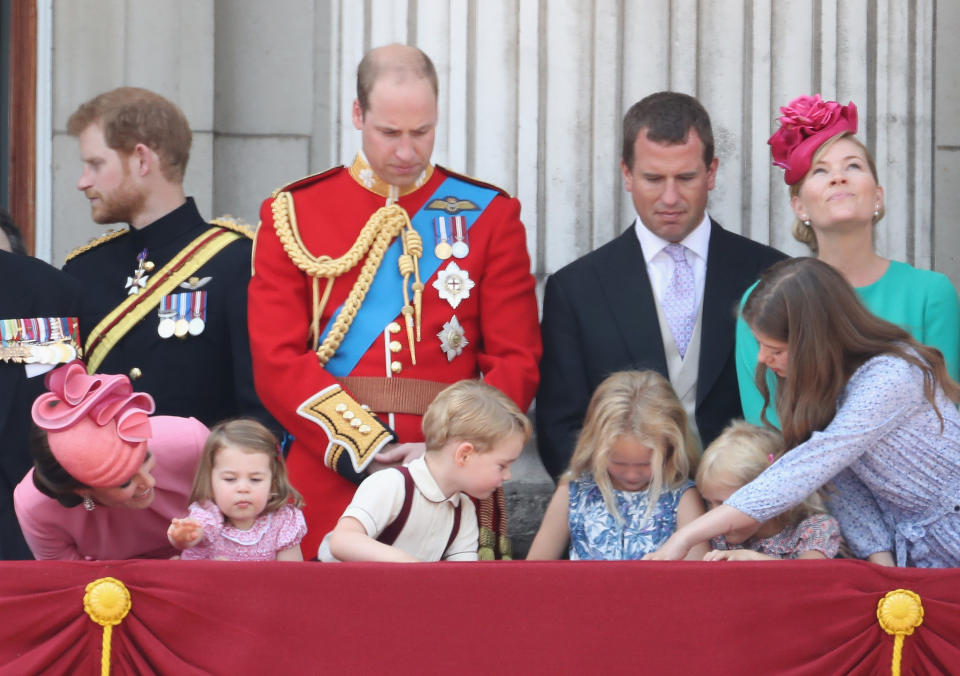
(628, 487)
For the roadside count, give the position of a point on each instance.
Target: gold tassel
(107, 602)
(899, 612)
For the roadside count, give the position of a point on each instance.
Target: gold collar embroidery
(363, 174)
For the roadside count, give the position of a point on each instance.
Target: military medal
(182, 326)
(441, 233)
(43, 340)
(452, 339)
(198, 316)
(139, 279)
(460, 247)
(453, 284)
(166, 313)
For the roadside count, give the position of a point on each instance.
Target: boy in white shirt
(423, 512)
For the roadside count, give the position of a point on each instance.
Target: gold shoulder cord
(230, 223)
(375, 237)
(94, 243)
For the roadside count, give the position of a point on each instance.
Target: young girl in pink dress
(736, 458)
(242, 508)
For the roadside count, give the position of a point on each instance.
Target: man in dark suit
(660, 296)
(38, 308)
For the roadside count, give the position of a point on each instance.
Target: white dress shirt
(660, 265)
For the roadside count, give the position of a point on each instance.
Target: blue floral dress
(596, 534)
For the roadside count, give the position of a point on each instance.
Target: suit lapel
(623, 280)
(719, 310)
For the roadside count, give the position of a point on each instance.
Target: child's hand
(184, 533)
(735, 555)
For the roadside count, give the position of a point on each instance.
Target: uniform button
(396, 366)
(341, 408)
(355, 423)
(395, 346)
(364, 429)
(364, 407)
(135, 373)
(393, 327)
(149, 266)
(348, 415)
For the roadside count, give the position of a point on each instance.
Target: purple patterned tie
(679, 301)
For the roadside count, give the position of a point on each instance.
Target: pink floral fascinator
(805, 123)
(97, 426)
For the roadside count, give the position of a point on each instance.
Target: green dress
(922, 302)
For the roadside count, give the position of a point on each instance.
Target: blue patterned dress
(596, 534)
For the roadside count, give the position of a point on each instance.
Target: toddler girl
(628, 485)
(240, 504)
(736, 458)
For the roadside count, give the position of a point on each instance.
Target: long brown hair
(808, 305)
(642, 405)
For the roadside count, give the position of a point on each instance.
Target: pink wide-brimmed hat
(97, 426)
(805, 124)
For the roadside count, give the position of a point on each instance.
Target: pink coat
(71, 533)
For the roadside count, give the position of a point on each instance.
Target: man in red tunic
(375, 285)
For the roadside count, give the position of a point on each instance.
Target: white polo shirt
(379, 499)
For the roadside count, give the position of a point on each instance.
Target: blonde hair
(641, 405)
(248, 436)
(472, 411)
(741, 453)
(804, 233)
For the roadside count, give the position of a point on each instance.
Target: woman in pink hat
(836, 197)
(107, 478)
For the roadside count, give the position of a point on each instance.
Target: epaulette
(475, 181)
(95, 242)
(306, 180)
(228, 222)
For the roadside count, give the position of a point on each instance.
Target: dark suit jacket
(599, 316)
(29, 288)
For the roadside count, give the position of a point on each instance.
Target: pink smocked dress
(271, 533)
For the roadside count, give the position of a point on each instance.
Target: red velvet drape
(795, 617)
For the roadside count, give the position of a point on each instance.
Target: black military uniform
(205, 374)
(29, 289)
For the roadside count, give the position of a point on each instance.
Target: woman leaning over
(837, 199)
(867, 412)
(107, 478)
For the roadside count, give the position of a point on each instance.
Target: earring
(876, 210)
(88, 503)
(805, 221)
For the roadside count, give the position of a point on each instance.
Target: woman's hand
(673, 549)
(184, 533)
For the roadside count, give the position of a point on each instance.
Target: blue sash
(384, 300)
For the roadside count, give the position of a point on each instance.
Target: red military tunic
(498, 318)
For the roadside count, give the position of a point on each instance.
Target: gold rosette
(899, 612)
(107, 602)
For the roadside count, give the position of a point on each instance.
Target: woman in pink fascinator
(107, 478)
(837, 199)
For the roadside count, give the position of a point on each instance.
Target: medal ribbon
(384, 299)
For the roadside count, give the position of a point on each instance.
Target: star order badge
(453, 284)
(452, 340)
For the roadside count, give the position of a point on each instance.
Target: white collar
(698, 241)
(427, 485)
